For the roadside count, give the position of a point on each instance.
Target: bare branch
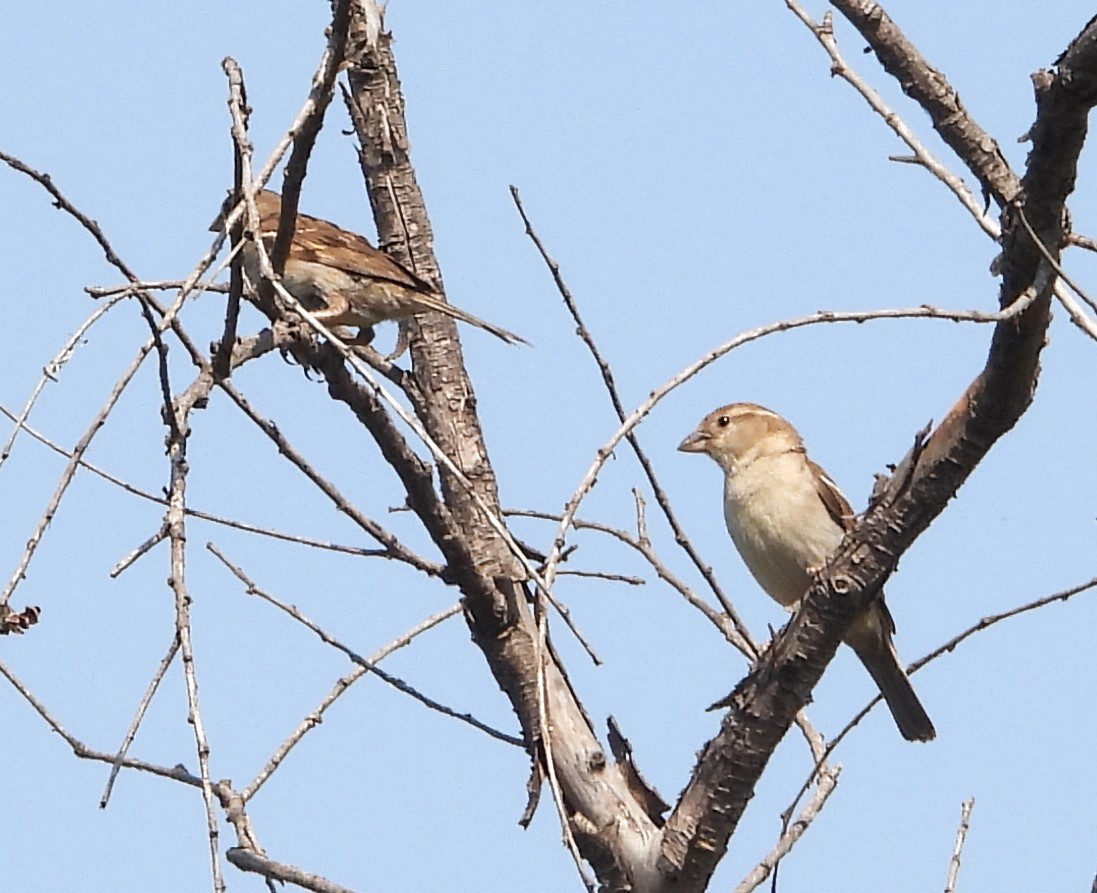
(929, 88)
(948, 647)
(142, 708)
(176, 773)
(432, 568)
(178, 412)
(824, 33)
(827, 782)
(69, 472)
(744, 640)
(367, 665)
(51, 371)
(250, 861)
(133, 288)
(961, 837)
(763, 705)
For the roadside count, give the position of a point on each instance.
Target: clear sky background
(696, 172)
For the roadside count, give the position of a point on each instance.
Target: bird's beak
(697, 442)
(227, 205)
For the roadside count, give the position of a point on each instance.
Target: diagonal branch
(594, 791)
(931, 90)
(764, 704)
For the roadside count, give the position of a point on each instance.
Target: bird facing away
(786, 518)
(341, 279)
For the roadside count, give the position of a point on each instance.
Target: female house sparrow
(341, 279)
(786, 517)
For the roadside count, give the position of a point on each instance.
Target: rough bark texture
(612, 830)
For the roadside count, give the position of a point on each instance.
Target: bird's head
(740, 432)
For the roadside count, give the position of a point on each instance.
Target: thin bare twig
(142, 708)
(957, 851)
(132, 288)
(69, 472)
(80, 749)
(959, 120)
(147, 546)
(343, 684)
(824, 33)
(364, 665)
(432, 568)
(949, 646)
(60, 201)
(1042, 248)
(52, 370)
(545, 740)
(793, 831)
(394, 547)
(238, 103)
(178, 413)
(680, 536)
(644, 547)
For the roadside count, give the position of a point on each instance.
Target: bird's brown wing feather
(317, 241)
(841, 512)
(837, 506)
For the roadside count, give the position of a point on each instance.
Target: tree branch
(764, 704)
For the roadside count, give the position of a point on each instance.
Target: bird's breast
(779, 525)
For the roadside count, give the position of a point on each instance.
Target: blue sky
(696, 172)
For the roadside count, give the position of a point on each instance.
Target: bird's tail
(432, 302)
(870, 638)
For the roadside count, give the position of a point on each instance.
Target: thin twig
(132, 288)
(241, 166)
(345, 682)
(680, 535)
(793, 831)
(957, 851)
(69, 472)
(394, 547)
(545, 738)
(647, 551)
(52, 370)
(627, 579)
(364, 665)
(61, 202)
(1042, 248)
(142, 708)
(81, 750)
(824, 33)
(949, 646)
(177, 413)
(429, 567)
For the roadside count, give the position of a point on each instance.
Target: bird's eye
(723, 421)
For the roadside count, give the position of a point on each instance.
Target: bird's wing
(841, 512)
(832, 498)
(349, 252)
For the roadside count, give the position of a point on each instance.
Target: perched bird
(786, 518)
(341, 279)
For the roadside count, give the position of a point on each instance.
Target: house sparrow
(340, 278)
(786, 517)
